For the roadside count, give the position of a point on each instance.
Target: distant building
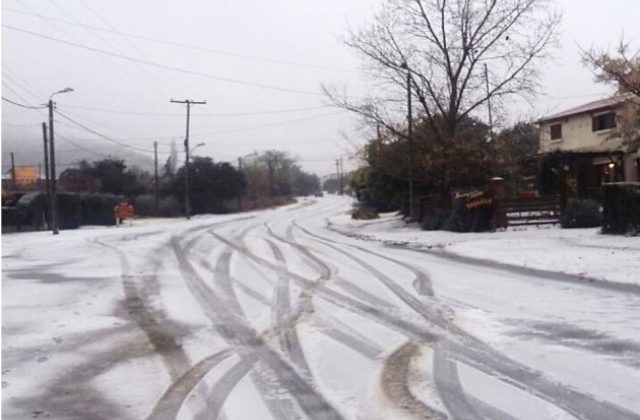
(27, 177)
(591, 144)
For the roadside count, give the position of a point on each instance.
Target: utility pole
(47, 185)
(240, 195)
(52, 155)
(341, 177)
(486, 79)
(187, 195)
(13, 174)
(410, 138)
(411, 157)
(155, 178)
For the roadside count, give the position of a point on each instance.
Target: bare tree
(440, 47)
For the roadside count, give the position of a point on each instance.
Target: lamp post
(52, 156)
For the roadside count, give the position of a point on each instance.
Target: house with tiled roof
(592, 144)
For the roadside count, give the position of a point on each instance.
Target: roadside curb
(529, 271)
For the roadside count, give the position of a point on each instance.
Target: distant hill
(26, 153)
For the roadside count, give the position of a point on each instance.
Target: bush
(457, 219)
(361, 212)
(581, 213)
(621, 209)
(97, 209)
(434, 220)
(169, 207)
(69, 211)
(145, 205)
(32, 211)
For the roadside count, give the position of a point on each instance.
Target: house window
(556, 131)
(603, 121)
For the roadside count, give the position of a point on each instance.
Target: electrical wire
(275, 124)
(214, 115)
(8, 73)
(163, 66)
(103, 136)
(22, 105)
(183, 45)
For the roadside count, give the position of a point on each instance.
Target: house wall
(577, 135)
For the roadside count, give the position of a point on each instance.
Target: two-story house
(592, 144)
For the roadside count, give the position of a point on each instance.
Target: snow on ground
(582, 252)
(149, 302)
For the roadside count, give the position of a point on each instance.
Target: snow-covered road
(273, 314)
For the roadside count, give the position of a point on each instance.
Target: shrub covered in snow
(361, 212)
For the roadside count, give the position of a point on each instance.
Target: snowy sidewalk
(583, 253)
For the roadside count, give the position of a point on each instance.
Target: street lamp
(52, 155)
(195, 147)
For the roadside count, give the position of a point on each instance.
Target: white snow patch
(506, 397)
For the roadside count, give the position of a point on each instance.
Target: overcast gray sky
(258, 64)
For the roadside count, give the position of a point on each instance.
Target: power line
(112, 29)
(21, 105)
(163, 66)
(22, 84)
(230, 114)
(86, 149)
(103, 136)
(275, 124)
(93, 31)
(183, 45)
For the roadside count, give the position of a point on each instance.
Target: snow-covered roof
(600, 104)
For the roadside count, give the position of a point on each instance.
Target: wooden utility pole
(486, 79)
(52, 156)
(240, 195)
(47, 185)
(156, 199)
(411, 157)
(13, 174)
(339, 175)
(187, 195)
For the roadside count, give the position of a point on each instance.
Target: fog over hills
(30, 151)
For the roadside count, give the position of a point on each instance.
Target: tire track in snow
(445, 375)
(346, 302)
(486, 359)
(162, 334)
(171, 402)
(233, 329)
(288, 338)
(279, 407)
(395, 384)
(326, 271)
(168, 406)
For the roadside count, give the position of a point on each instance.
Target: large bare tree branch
(442, 44)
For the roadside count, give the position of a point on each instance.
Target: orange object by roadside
(123, 210)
